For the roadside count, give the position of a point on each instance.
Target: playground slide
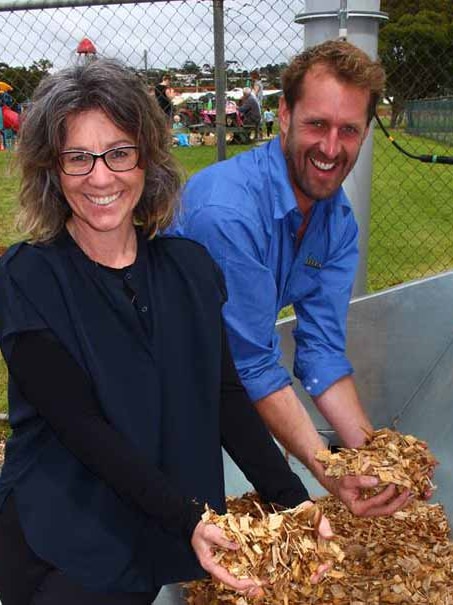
(10, 119)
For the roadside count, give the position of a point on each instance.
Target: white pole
(358, 22)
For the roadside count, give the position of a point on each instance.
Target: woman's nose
(100, 173)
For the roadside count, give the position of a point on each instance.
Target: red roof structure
(86, 47)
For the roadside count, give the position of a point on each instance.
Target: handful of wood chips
(388, 455)
(281, 547)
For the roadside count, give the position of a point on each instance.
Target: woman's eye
(118, 154)
(79, 157)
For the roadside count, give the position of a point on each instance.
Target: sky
(160, 34)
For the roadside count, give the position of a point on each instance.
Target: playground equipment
(9, 119)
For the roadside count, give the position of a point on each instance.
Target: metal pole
(145, 61)
(220, 85)
(358, 20)
(343, 18)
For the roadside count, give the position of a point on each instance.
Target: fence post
(219, 59)
(325, 20)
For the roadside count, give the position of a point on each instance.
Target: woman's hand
(324, 531)
(206, 537)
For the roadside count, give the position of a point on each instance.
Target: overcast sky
(257, 32)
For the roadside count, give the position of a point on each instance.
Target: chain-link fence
(411, 232)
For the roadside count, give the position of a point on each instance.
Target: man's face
(322, 136)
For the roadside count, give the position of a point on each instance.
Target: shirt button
(128, 275)
(144, 309)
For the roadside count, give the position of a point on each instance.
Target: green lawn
(411, 230)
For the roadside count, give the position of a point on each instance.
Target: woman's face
(103, 200)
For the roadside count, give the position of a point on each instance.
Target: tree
(189, 67)
(398, 8)
(24, 79)
(417, 53)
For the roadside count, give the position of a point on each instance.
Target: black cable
(428, 159)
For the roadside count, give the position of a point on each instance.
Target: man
(279, 224)
(250, 110)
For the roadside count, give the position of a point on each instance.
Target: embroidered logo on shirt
(312, 262)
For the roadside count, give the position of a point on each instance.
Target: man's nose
(330, 143)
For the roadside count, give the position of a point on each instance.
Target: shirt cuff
(267, 382)
(319, 375)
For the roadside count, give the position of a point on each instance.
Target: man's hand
(349, 490)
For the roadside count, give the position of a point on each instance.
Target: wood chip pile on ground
(404, 559)
(388, 455)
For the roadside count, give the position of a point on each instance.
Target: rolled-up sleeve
(251, 308)
(320, 334)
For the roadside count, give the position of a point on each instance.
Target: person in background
(269, 117)
(177, 123)
(250, 110)
(257, 87)
(164, 94)
(282, 229)
(122, 388)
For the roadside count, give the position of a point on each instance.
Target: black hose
(428, 159)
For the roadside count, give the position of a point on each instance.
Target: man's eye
(349, 130)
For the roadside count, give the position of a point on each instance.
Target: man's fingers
(358, 482)
(384, 504)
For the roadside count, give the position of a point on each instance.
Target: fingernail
(372, 481)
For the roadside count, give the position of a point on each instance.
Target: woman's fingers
(206, 537)
(320, 573)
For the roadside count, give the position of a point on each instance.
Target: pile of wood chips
(388, 455)
(405, 559)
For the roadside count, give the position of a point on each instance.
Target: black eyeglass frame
(96, 156)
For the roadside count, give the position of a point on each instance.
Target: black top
(160, 90)
(122, 391)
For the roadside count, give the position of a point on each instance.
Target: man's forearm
(341, 407)
(290, 423)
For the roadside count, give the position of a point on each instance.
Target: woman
(122, 386)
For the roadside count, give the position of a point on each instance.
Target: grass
(411, 228)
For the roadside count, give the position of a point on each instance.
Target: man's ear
(284, 118)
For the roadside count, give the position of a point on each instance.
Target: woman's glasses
(81, 163)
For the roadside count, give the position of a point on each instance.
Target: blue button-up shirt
(245, 212)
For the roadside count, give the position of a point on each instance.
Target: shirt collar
(283, 195)
(282, 192)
